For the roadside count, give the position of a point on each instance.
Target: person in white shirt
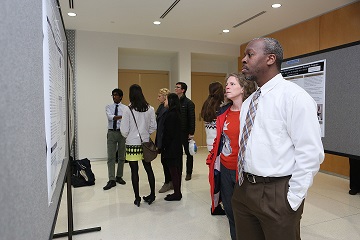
(283, 152)
(144, 126)
(115, 141)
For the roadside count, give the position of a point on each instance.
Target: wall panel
(340, 27)
(299, 39)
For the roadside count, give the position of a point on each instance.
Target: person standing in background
(115, 141)
(209, 110)
(160, 118)
(145, 124)
(172, 145)
(222, 159)
(354, 176)
(187, 124)
(280, 149)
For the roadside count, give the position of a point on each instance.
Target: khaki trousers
(115, 142)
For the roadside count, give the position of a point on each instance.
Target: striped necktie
(249, 121)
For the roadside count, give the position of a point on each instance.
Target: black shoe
(149, 199)
(218, 211)
(188, 177)
(137, 201)
(120, 180)
(353, 192)
(173, 197)
(110, 184)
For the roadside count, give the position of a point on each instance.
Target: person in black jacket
(187, 109)
(172, 144)
(160, 118)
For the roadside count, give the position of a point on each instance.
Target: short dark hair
(118, 91)
(272, 46)
(183, 86)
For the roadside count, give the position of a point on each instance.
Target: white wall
(97, 63)
(145, 62)
(214, 66)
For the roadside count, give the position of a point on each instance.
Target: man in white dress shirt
(115, 141)
(283, 152)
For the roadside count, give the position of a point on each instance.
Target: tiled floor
(330, 212)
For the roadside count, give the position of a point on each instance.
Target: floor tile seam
(331, 220)
(197, 196)
(336, 200)
(317, 223)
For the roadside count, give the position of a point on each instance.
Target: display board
(55, 93)
(339, 69)
(29, 201)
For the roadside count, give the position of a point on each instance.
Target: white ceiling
(201, 20)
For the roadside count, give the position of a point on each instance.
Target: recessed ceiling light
(71, 14)
(226, 30)
(276, 5)
(157, 22)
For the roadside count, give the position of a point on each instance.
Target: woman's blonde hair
(164, 91)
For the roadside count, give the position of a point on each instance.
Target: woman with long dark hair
(172, 144)
(144, 125)
(209, 110)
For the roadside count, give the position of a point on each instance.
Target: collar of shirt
(270, 84)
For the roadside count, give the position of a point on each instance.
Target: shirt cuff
(294, 201)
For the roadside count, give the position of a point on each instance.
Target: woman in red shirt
(224, 154)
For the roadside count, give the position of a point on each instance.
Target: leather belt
(258, 179)
(117, 130)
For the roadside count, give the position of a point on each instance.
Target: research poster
(71, 105)
(54, 95)
(311, 77)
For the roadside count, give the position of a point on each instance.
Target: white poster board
(311, 77)
(54, 96)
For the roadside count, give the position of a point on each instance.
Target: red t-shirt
(231, 130)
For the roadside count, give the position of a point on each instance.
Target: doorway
(199, 93)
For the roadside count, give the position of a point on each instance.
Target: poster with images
(311, 77)
(54, 96)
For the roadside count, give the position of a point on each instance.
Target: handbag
(150, 151)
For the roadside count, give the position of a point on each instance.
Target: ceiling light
(71, 14)
(226, 30)
(157, 22)
(276, 5)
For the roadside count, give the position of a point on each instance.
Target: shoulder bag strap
(136, 124)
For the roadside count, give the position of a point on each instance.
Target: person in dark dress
(172, 144)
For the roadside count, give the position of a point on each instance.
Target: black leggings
(134, 166)
(176, 179)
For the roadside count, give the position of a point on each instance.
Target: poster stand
(70, 214)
